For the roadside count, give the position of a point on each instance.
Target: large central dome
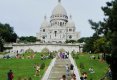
(59, 13)
(59, 10)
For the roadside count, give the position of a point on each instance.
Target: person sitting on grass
(91, 70)
(84, 76)
(37, 67)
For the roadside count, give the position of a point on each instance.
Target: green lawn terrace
(85, 61)
(23, 66)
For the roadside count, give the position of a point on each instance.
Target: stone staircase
(59, 69)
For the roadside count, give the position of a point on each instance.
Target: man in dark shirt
(72, 68)
(10, 75)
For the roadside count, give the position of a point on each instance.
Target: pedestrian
(73, 77)
(67, 70)
(71, 68)
(10, 75)
(37, 70)
(63, 77)
(91, 70)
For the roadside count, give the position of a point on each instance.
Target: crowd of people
(69, 68)
(63, 55)
(73, 77)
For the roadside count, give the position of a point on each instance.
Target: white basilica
(59, 28)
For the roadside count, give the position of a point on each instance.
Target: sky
(26, 16)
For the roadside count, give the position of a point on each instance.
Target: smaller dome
(70, 23)
(45, 23)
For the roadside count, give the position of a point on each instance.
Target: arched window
(43, 37)
(55, 32)
(70, 36)
(70, 29)
(60, 23)
(43, 30)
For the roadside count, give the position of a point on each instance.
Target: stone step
(59, 77)
(53, 79)
(62, 63)
(56, 75)
(62, 60)
(59, 69)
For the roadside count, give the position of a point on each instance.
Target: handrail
(76, 70)
(47, 73)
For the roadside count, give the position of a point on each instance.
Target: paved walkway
(57, 69)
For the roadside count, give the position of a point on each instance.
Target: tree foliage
(70, 41)
(7, 34)
(27, 39)
(83, 39)
(109, 25)
(105, 36)
(102, 45)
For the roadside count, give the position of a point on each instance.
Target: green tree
(83, 39)
(7, 34)
(109, 25)
(102, 45)
(108, 28)
(70, 41)
(89, 42)
(88, 47)
(28, 39)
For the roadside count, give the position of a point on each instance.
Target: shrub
(42, 66)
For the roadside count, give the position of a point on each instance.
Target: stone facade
(38, 47)
(59, 28)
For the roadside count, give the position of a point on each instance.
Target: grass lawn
(22, 67)
(100, 67)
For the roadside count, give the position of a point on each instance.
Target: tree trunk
(114, 56)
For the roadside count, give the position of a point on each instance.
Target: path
(57, 69)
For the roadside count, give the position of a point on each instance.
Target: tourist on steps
(71, 68)
(73, 77)
(67, 70)
(63, 77)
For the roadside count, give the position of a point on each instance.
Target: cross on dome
(59, 1)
